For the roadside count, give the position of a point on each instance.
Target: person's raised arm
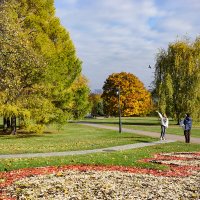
(159, 114)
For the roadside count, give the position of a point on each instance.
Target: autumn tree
(50, 39)
(135, 100)
(177, 79)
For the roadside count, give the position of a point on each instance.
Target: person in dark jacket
(187, 127)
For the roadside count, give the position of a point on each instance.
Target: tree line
(175, 89)
(41, 80)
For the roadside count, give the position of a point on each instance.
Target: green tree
(177, 80)
(51, 40)
(96, 104)
(80, 105)
(38, 63)
(135, 100)
(21, 67)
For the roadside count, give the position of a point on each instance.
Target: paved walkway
(69, 153)
(170, 138)
(146, 133)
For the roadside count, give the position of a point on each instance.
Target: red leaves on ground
(7, 178)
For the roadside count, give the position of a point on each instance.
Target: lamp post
(119, 110)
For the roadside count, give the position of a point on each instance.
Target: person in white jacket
(164, 124)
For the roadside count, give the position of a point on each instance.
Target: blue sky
(112, 36)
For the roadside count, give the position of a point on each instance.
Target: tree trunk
(13, 125)
(8, 122)
(4, 124)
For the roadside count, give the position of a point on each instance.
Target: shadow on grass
(139, 139)
(21, 134)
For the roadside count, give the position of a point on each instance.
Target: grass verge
(120, 158)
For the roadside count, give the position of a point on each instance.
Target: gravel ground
(111, 185)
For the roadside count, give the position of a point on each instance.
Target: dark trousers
(187, 136)
(163, 131)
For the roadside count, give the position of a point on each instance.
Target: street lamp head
(117, 91)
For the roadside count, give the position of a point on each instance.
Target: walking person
(164, 124)
(187, 127)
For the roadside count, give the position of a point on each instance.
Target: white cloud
(124, 35)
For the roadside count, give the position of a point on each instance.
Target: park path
(170, 138)
(69, 153)
(146, 133)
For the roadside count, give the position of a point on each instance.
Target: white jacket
(163, 120)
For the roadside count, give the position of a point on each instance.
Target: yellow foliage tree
(135, 100)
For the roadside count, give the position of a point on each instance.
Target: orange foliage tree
(135, 100)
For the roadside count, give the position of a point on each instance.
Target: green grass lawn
(79, 137)
(72, 137)
(146, 124)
